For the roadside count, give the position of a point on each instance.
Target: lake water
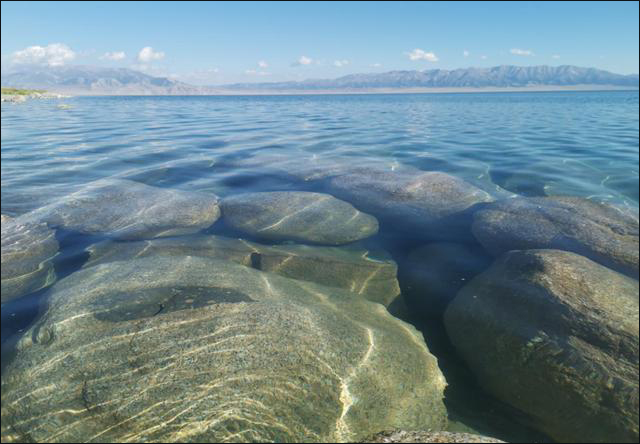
(580, 144)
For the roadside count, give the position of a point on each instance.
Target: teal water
(581, 144)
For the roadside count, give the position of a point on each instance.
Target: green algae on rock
(27, 252)
(298, 215)
(555, 335)
(603, 233)
(130, 210)
(370, 274)
(194, 349)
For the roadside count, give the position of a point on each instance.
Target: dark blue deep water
(581, 144)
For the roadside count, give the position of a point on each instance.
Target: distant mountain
(89, 80)
(497, 77)
(95, 80)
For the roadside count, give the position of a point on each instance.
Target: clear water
(575, 143)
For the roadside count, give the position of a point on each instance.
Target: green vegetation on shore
(22, 92)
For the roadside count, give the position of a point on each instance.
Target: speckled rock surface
(125, 209)
(601, 232)
(435, 203)
(423, 436)
(202, 350)
(555, 335)
(298, 215)
(433, 274)
(370, 274)
(27, 252)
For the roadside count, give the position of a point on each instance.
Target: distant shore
(297, 92)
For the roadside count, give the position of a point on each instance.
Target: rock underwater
(195, 349)
(433, 204)
(555, 335)
(298, 215)
(603, 233)
(27, 252)
(371, 274)
(130, 210)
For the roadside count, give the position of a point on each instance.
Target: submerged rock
(433, 274)
(556, 336)
(27, 252)
(125, 209)
(424, 436)
(603, 233)
(298, 215)
(435, 204)
(194, 349)
(370, 274)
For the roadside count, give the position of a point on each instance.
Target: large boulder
(604, 233)
(372, 274)
(434, 204)
(432, 274)
(27, 253)
(555, 335)
(195, 349)
(298, 215)
(125, 209)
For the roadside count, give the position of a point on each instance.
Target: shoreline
(367, 91)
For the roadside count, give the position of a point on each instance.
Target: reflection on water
(184, 303)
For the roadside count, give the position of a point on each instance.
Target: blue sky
(220, 42)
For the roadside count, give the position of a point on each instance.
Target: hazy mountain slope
(499, 76)
(121, 81)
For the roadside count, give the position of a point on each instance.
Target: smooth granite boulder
(372, 274)
(27, 252)
(603, 233)
(125, 209)
(434, 204)
(433, 274)
(555, 335)
(195, 349)
(298, 215)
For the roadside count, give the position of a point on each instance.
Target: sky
(224, 42)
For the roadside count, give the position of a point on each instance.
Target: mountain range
(88, 80)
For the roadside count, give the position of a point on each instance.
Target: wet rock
(371, 274)
(194, 349)
(298, 215)
(435, 204)
(125, 209)
(555, 335)
(433, 274)
(423, 436)
(603, 233)
(27, 252)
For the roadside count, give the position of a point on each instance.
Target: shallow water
(532, 144)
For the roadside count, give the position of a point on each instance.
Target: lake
(380, 208)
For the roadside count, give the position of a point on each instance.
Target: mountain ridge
(91, 80)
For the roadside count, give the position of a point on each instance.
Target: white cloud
(253, 72)
(483, 57)
(466, 53)
(340, 63)
(419, 54)
(147, 54)
(522, 52)
(116, 55)
(376, 65)
(303, 60)
(262, 64)
(54, 54)
(555, 56)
